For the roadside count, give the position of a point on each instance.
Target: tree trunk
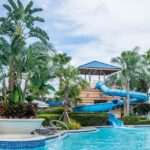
(66, 118)
(25, 88)
(125, 107)
(11, 79)
(128, 97)
(4, 90)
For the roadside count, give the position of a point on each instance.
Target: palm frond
(39, 33)
(13, 4)
(28, 7)
(7, 7)
(35, 10)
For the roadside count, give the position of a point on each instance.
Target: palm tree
(71, 86)
(36, 60)
(128, 61)
(18, 26)
(146, 65)
(59, 61)
(5, 55)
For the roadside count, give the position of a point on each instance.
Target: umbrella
(40, 104)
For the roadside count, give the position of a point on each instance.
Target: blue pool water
(103, 139)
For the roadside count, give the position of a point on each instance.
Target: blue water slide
(135, 97)
(114, 121)
(103, 107)
(55, 103)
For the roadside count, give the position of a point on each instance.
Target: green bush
(57, 110)
(142, 109)
(48, 118)
(90, 119)
(133, 119)
(54, 110)
(72, 125)
(144, 122)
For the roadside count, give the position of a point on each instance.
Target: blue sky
(95, 29)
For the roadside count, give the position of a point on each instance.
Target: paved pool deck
(36, 137)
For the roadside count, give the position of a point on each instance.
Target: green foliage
(142, 109)
(18, 61)
(7, 110)
(48, 118)
(131, 120)
(90, 119)
(61, 59)
(17, 94)
(71, 83)
(20, 21)
(73, 125)
(29, 98)
(135, 120)
(128, 61)
(144, 122)
(54, 110)
(84, 119)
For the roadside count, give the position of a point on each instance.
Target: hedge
(135, 120)
(85, 119)
(144, 122)
(90, 119)
(54, 110)
(48, 118)
(131, 120)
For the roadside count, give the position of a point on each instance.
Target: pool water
(103, 139)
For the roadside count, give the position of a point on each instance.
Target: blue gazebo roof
(97, 68)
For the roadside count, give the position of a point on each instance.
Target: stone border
(38, 141)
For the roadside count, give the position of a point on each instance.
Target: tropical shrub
(71, 82)
(142, 109)
(54, 110)
(131, 120)
(73, 125)
(144, 122)
(57, 110)
(135, 120)
(48, 118)
(90, 119)
(17, 111)
(21, 62)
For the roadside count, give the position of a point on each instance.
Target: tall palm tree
(128, 62)
(19, 25)
(71, 86)
(36, 60)
(145, 70)
(60, 60)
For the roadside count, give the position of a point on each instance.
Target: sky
(98, 30)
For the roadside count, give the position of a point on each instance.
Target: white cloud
(116, 25)
(113, 25)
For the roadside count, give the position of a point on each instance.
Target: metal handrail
(58, 121)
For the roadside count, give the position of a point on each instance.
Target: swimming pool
(103, 139)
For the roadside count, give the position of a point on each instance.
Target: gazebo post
(99, 76)
(89, 78)
(104, 77)
(85, 74)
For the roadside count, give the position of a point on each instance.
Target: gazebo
(98, 69)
